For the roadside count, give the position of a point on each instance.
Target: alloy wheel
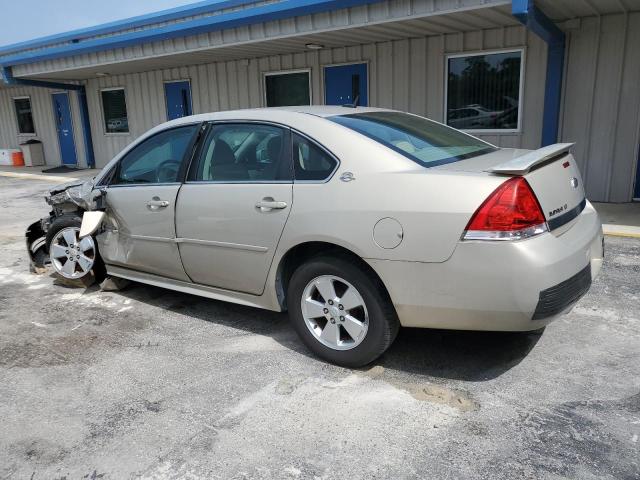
(71, 256)
(335, 312)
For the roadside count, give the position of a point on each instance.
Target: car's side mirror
(98, 198)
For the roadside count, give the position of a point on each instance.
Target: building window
(484, 91)
(290, 88)
(114, 106)
(24, 116)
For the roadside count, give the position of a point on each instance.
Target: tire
(376, 323)
(97, 270)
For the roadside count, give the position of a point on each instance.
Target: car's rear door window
(310, 161)
(417, 138)
(244, 153)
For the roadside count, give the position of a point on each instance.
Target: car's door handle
(269, 203)
(156, 204)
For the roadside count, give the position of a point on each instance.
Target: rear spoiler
(523, 164)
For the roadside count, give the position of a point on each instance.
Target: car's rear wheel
(73, 258)
(341, 313)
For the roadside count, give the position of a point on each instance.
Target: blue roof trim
(276, 11)
(206, 6)
(7, 76)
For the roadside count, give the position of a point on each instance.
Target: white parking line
(35, 176)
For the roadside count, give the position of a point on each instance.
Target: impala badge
(574, 182)
(347, 177)
(558, 210)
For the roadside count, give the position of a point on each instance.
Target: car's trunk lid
(551, 171)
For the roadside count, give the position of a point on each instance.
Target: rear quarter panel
(432, 206)
(552, 185)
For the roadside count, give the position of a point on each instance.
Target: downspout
(86, 127)
(535, 20)
(9, 79)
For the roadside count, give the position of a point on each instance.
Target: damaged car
(55, 240)
(356, 221)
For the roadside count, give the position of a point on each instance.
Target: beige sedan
(355, 220)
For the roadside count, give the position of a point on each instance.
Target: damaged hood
(79, 192)
(64, 186)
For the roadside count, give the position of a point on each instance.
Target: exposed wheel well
(306, 251)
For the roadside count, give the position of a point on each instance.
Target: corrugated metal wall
(331, 22)
(42, 111)
(601, 110)
(601, 102)
(404, 74)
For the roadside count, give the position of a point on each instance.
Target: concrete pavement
(149, 383)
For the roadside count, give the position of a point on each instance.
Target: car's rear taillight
(511, 212)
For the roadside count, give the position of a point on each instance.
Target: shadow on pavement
(470, 356)
(459, 355)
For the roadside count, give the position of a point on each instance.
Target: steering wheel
(167, 171)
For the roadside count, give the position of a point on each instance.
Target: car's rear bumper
(498, 286)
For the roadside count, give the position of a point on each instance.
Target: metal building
(518, 73)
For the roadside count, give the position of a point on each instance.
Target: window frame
(476, 53)
(15, 113)
(285, 72)
(187, 159)
(104, 120)
(328, 178)
(195, 160)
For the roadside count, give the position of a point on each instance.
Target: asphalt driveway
(149, 383)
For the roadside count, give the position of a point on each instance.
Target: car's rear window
(421, 140)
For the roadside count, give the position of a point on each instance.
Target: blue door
(344, 83)
(178, 96)
(64, 125)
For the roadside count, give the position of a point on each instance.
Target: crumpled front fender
(36, 246)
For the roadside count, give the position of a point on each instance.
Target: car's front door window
(156, 160)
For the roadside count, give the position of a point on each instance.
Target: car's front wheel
(340, 312)
(72, 257)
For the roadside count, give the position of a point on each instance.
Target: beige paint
(91, 221)
(432, 276)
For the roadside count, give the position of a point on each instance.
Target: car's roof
(328, 110)
(274, 113)
(302, 118)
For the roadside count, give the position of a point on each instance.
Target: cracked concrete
(149, 383)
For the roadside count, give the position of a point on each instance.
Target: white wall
(43, 118)
(403, 74)
(601, 110)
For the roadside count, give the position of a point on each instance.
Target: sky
(29, 19)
